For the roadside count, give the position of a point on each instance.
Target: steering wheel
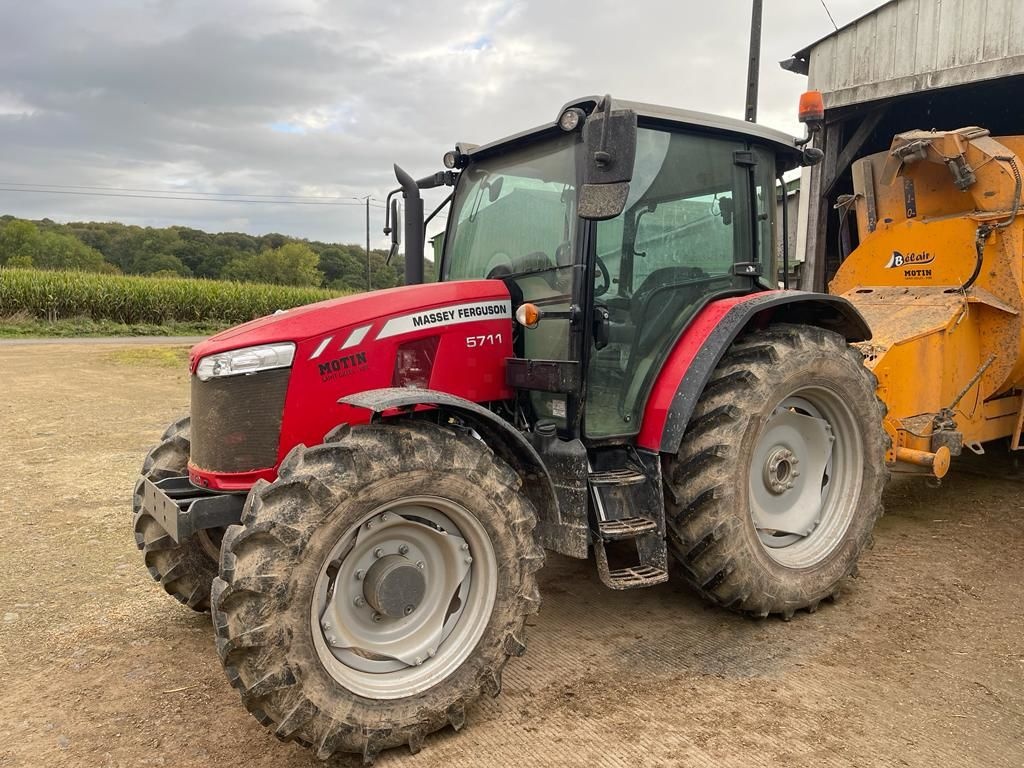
(606, 280)
(499, 264)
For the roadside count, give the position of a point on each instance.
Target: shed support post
(813, 276)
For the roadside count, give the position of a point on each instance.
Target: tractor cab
(612, 228)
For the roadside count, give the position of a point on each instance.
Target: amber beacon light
(812, 107)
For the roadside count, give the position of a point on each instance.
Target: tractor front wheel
(778, 481)
(377, 587)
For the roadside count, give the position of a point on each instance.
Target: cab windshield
(515, 213)
(514, 217)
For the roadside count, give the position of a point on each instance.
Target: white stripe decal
(321, 348)
(451, 315)
(356, 337)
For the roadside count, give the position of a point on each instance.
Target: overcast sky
(303, 97)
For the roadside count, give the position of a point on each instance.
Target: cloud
(295, 97)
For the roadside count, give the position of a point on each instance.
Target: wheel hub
(398, 589)
(780, 471)
(394, 586)
(794, 453)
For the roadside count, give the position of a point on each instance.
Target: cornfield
(58, 295)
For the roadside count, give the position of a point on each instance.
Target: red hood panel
(317, 319)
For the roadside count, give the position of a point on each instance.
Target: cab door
(688, 220)
(515, 219)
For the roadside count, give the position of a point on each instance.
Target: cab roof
(653, 115)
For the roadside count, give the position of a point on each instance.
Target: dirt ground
(919, 663)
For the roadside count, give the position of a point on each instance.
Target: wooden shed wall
(907, 46)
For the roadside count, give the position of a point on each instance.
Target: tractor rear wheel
(184, 570)
(778, 481)
(377, 587)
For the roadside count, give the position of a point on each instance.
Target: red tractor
(365, 487)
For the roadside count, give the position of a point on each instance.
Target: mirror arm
(387, 210)
(601, 156)
(809, 155)
(439, 179)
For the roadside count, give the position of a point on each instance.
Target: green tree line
(114, 248)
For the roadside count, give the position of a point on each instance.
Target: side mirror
(395, 221)
(811, 156)
(599, 202)
(609, 137)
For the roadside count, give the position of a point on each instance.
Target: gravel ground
(919, 663)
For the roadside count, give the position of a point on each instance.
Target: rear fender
(704, 342)
(506, 441)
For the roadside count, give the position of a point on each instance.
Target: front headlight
(248, 360)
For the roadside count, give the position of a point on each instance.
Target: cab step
(626, 528)
(618, 476)
(627, 519)
(630, 577)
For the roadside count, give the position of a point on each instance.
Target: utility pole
(367, 242)
(754, 63)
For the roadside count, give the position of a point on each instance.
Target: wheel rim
(403, 597)
(805, 477)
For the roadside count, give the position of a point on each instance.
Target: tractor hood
(448, 337)
(335, 315)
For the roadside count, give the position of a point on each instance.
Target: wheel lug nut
(359, 601)
(409, 609)
(378, 552)
(419, 660)
(469, 560)
(378, 617)
(464, 547)
(327, 627)
(369, 525)
(420, 564)
(431, 652)
(384, 517)
(403, 550)
(359, 575)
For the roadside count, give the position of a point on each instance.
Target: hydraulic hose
(987, 229)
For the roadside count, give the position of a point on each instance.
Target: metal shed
(908, 64)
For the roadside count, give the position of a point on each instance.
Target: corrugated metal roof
(805, 51)
(906, 46)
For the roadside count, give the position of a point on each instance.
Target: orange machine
(938, 276)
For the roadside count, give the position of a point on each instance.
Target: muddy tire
(778, 481)
(185, 571)
(294, 574)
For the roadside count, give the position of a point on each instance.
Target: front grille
(236, 421)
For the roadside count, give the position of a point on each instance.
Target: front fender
(506, 441)
(702, 345)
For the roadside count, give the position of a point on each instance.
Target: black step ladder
(627, 506)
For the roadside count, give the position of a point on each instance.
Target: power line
(829, 15)
(340, 202)
(181, 191)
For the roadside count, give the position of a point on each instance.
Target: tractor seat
(669, 286)
(663, 303)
